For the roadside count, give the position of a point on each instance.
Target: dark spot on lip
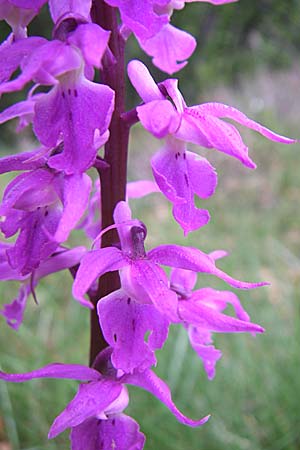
(186, 179)
(115, 337)
(113, 422)
(176, 156)
(128, 301)
(46, 213)
(75, 93)
(69, 91)
(184, 155)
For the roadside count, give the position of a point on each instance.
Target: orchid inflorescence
(72, 118)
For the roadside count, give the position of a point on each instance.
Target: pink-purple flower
(95, 415)
(181, 174)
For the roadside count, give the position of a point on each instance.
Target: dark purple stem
(113, 177)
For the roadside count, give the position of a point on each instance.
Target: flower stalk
(113, 175)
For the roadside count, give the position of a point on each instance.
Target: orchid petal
(150, 282)
(219, 301)
(183, 280)
(141, 19)
(193, 259)
(93, 265)
(14, 311)
(143, 82)
(189, 217)
(207, 353)
(92, 41)
(25, 107)
(59, 8)
(22, 161)
(120, 431)
(220, 110)
(152, 383)
(168, 47)
(55, 370)
(203, 316)
(139, 189)
(76, 113)
(159, 117)
(91, 400)
(124, 323)
(76, 193)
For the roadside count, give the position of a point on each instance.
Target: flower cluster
(72, 117)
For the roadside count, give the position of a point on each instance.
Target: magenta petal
(75, 112)
(138, 189)
(221, 110)
(189, 217)
(219, 134)
(59, 8)
(219, 301)
(20, 109)
(159, 117)
(34, 243)
(93, 265)
(183, 281)
(92, 41)
(150, 282)
(207, 353)
(55, 370)
(169, 168)
(152, 383)
(22, 161)
(59, 261)
(76, 193)
(180, 175)
(91, 400)
(22, 192)
(143, 82)
(198, 314)
(193, 259)
(14, 53)
(202, 175)
(169, 47)
(124, 323)
(14, 311)
(141, 19)
(120, 431)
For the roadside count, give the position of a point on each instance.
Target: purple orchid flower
(95, 413)
(62, 259)
(75, 109)
(170, 47)
(178, 173)
(140, 272)
(149, 20)
(44, 205)
(200, 312)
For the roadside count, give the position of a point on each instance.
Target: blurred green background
(248, 56)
